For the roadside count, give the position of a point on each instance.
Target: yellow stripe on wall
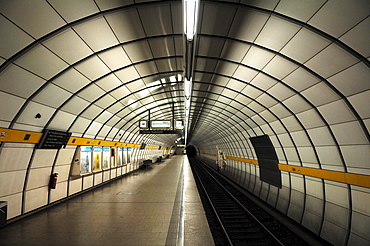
(347, 178)
(18, 136)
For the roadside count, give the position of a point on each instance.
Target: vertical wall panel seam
(26, 181)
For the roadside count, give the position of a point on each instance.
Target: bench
(146, 163)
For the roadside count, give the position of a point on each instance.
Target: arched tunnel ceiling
(295, 70)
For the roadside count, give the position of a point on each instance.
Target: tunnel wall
(25, 173)
(325, 207)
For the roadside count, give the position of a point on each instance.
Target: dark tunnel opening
(191, 151)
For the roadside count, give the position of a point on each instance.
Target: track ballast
(233, 218)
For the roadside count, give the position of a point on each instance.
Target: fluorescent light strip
(187, 102)
(191, 17)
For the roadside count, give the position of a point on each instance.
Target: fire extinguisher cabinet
(3, 213)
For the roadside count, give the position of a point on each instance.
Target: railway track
(233, 218)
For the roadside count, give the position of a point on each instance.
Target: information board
(160, 124)
(52, 139)
(161, 132)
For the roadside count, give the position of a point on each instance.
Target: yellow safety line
(347, 178)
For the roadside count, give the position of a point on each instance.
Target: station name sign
(161, 131)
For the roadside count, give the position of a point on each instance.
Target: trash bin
(3, 213)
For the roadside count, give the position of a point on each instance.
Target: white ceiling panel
(126, 25)
(128, 74)
(358, 38)
(162, 47)
(91, 92)
(47, 65)
(106, 101)
(300, 10)
(310, 119)
(101, 38)
(112, 121)
(93, 129)
(244, 73)
(336, 112)
(205, 65)
(226, 68)
(265, 4)
(280, 111)
(330, 61)
(358, 156)
(216, 19)
(315, 94)
(104, 5)
(296, 104)
(327, 156)
(349, 133)
(104, 116)
(279, 67)
(109, 82)
(300, 79)
(263, 81)
(92, 68)
(257, 57)
(22, 84)
(266, 100)
(250, 23)
(91, 111)
(136, 85)
(276, 33)
(52, 95)
(236, 85)
(232, 50)
(138, 51)
(44, 18)
(71, 80)
(210, 46)
(120, 92)
(165, 65)
(10, 105)
(292, 124)
(352, 80)
(115, 58)
(115, 108)
(227, 93)
(256, 107)
(337, 17)
(75, 105)
(147, 68)
(28, 116)
(280, 91)
(277, 127)
(72, 10)
(12, 38)
(156, 20)
(251, 92)
(72, 51)
(357, 102)
(268, 116)
(304, 45)
(62, 120)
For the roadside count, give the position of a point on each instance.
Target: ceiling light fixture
(187, 102)
(190, 15)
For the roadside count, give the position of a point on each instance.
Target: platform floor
(155, 206)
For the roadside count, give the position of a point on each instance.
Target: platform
(155, 206)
